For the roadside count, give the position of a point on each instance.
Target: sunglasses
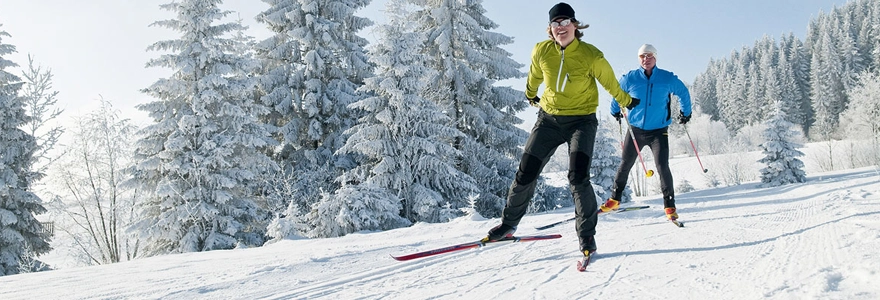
(646, 55)
(555, 24)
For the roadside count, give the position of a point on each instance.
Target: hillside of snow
(816, 240)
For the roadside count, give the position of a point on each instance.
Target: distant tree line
(812, 78)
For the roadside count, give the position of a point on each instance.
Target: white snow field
(815, 240)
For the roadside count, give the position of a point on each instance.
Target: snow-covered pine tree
(405, 172)
(280, 58)
(771, 84)
(734, 91)
(606, 159)
(874, 42)
(798, 55)
(469, 59)
(866, 29)
(21, 234)
(196, 164)
(827, 92)
(851, 60)
(780, 151)
(278, 82)
(861, 116)
(313, 65)
(354, 208)
(789, 89)
(703, 89)
(756, 75)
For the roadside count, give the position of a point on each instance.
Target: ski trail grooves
(806, 240)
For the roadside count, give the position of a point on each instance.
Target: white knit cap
(648, 48)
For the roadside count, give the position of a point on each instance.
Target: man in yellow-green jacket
(569, 69)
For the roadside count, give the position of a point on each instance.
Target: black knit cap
(561, 10)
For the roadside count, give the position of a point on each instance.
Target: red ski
(476, 244)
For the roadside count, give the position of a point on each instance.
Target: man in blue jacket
(649, 121)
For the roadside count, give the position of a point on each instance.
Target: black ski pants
(550, 131)
(658, 141)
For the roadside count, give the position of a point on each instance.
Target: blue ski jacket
(654, 110)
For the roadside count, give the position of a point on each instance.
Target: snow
(812, 240)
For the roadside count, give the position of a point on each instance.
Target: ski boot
(589, 245)
(500, 232)
(610, 205)
(671, 214)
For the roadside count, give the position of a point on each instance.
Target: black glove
(618, 116)
(682, 119)
(534, 101)
(633, 103)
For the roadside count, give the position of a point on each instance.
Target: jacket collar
(653, 71)
(572, 46)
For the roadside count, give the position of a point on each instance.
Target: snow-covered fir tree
(280, 58)
(21, 234)
(861, 116)
(278, 82)
(406, 167)
(469, 59)
(827, 94)
(312, 67)
(198, 162)
(781, 152)
(788, 86)
(798, 60)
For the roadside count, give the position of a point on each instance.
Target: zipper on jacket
(561, 88)
(648, 101)
(564, 82)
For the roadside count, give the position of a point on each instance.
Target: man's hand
(682, 119)
(534, 101)
(633, 103)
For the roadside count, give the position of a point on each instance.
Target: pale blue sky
(97, 47)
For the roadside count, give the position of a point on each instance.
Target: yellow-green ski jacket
(569, 76)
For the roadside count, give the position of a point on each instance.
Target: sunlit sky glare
(97, 48)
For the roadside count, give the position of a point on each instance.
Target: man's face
(647, 60)
(563, 30)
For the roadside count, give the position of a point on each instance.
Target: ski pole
(694, 147)
(648, 173)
